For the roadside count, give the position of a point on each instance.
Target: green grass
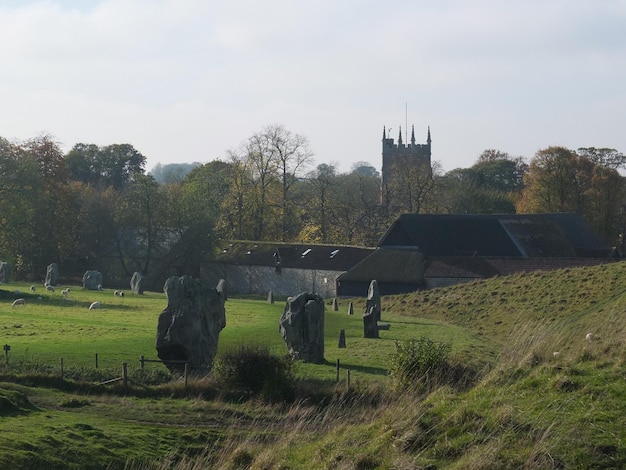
(529, 408)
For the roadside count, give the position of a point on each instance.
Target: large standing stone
(52, 275)
(189, 327)
(136, 283)
(302, 327)
(92, 280)
(4, 272)
(372, 311)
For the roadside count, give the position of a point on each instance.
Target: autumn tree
(560, 180)
(492, 185)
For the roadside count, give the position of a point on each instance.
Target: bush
(418, 362)
(253, 369)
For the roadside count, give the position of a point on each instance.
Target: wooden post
(337, 370)
(96, 360)
(142, 361)
(186, 374)
(61, 368)
(7, 348)
(125, 374)
(348, 378)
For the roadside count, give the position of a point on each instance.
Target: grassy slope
(531, 408)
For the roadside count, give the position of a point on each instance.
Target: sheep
(590, 337)
(65, 291)
(555, 354)
(118, 293)
(49, 288)
(17, 302)
(94, 306)
(33, 288)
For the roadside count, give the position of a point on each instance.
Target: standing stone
(342, 339)
(189, 327)
(52, 274)
(302, 327)
(92, 280)
(136, 283)
(335, 305)
(351, 309)
(270, 297)
(4, 272)
(373, 300)
(372, 312)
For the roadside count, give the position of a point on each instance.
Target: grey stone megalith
(189, 327)
(302, 327)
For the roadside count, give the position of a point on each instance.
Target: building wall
(243, 279)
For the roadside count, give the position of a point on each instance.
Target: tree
(559, 180)
(606, 157)
(320, 182)
(113, 165)
(365, 169)
(290, 155)
(554, 182)
(172, 172)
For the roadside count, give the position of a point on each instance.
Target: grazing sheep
(33, 288)
(118, 293)
(50, 288)
(65, 291)
(17, 302)
(590, 337)
(555, 354)
(94, 306)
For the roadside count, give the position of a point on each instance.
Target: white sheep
(65, 291)
(590, 337)
(49, 288)
(33, 288)
(118, 293)
(94, 305)
(17, 302)
(555, 354)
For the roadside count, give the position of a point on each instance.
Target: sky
(187, 80)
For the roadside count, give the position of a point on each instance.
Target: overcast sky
(186, 80)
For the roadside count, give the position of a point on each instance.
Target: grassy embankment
(529, 407)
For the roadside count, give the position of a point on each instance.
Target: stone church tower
(400, 161)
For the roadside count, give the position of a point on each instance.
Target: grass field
(527, 407)
(46, 330)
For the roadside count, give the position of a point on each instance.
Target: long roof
(292, 255)
(524, 236)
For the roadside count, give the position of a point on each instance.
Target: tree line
(97, 208)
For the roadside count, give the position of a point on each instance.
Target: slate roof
(517, 236)
(292, 255)
(404, 266)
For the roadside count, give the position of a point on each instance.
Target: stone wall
(262, 279)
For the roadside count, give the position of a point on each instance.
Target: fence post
(96, 360)
(337, 370)
(7, 348)
(348, 379)
(125, 374)
(186, 374)
(142, 361)
(61, 368)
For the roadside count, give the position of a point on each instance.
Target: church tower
(402, 161)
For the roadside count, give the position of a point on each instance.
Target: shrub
(418, 362)
(253, 369)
